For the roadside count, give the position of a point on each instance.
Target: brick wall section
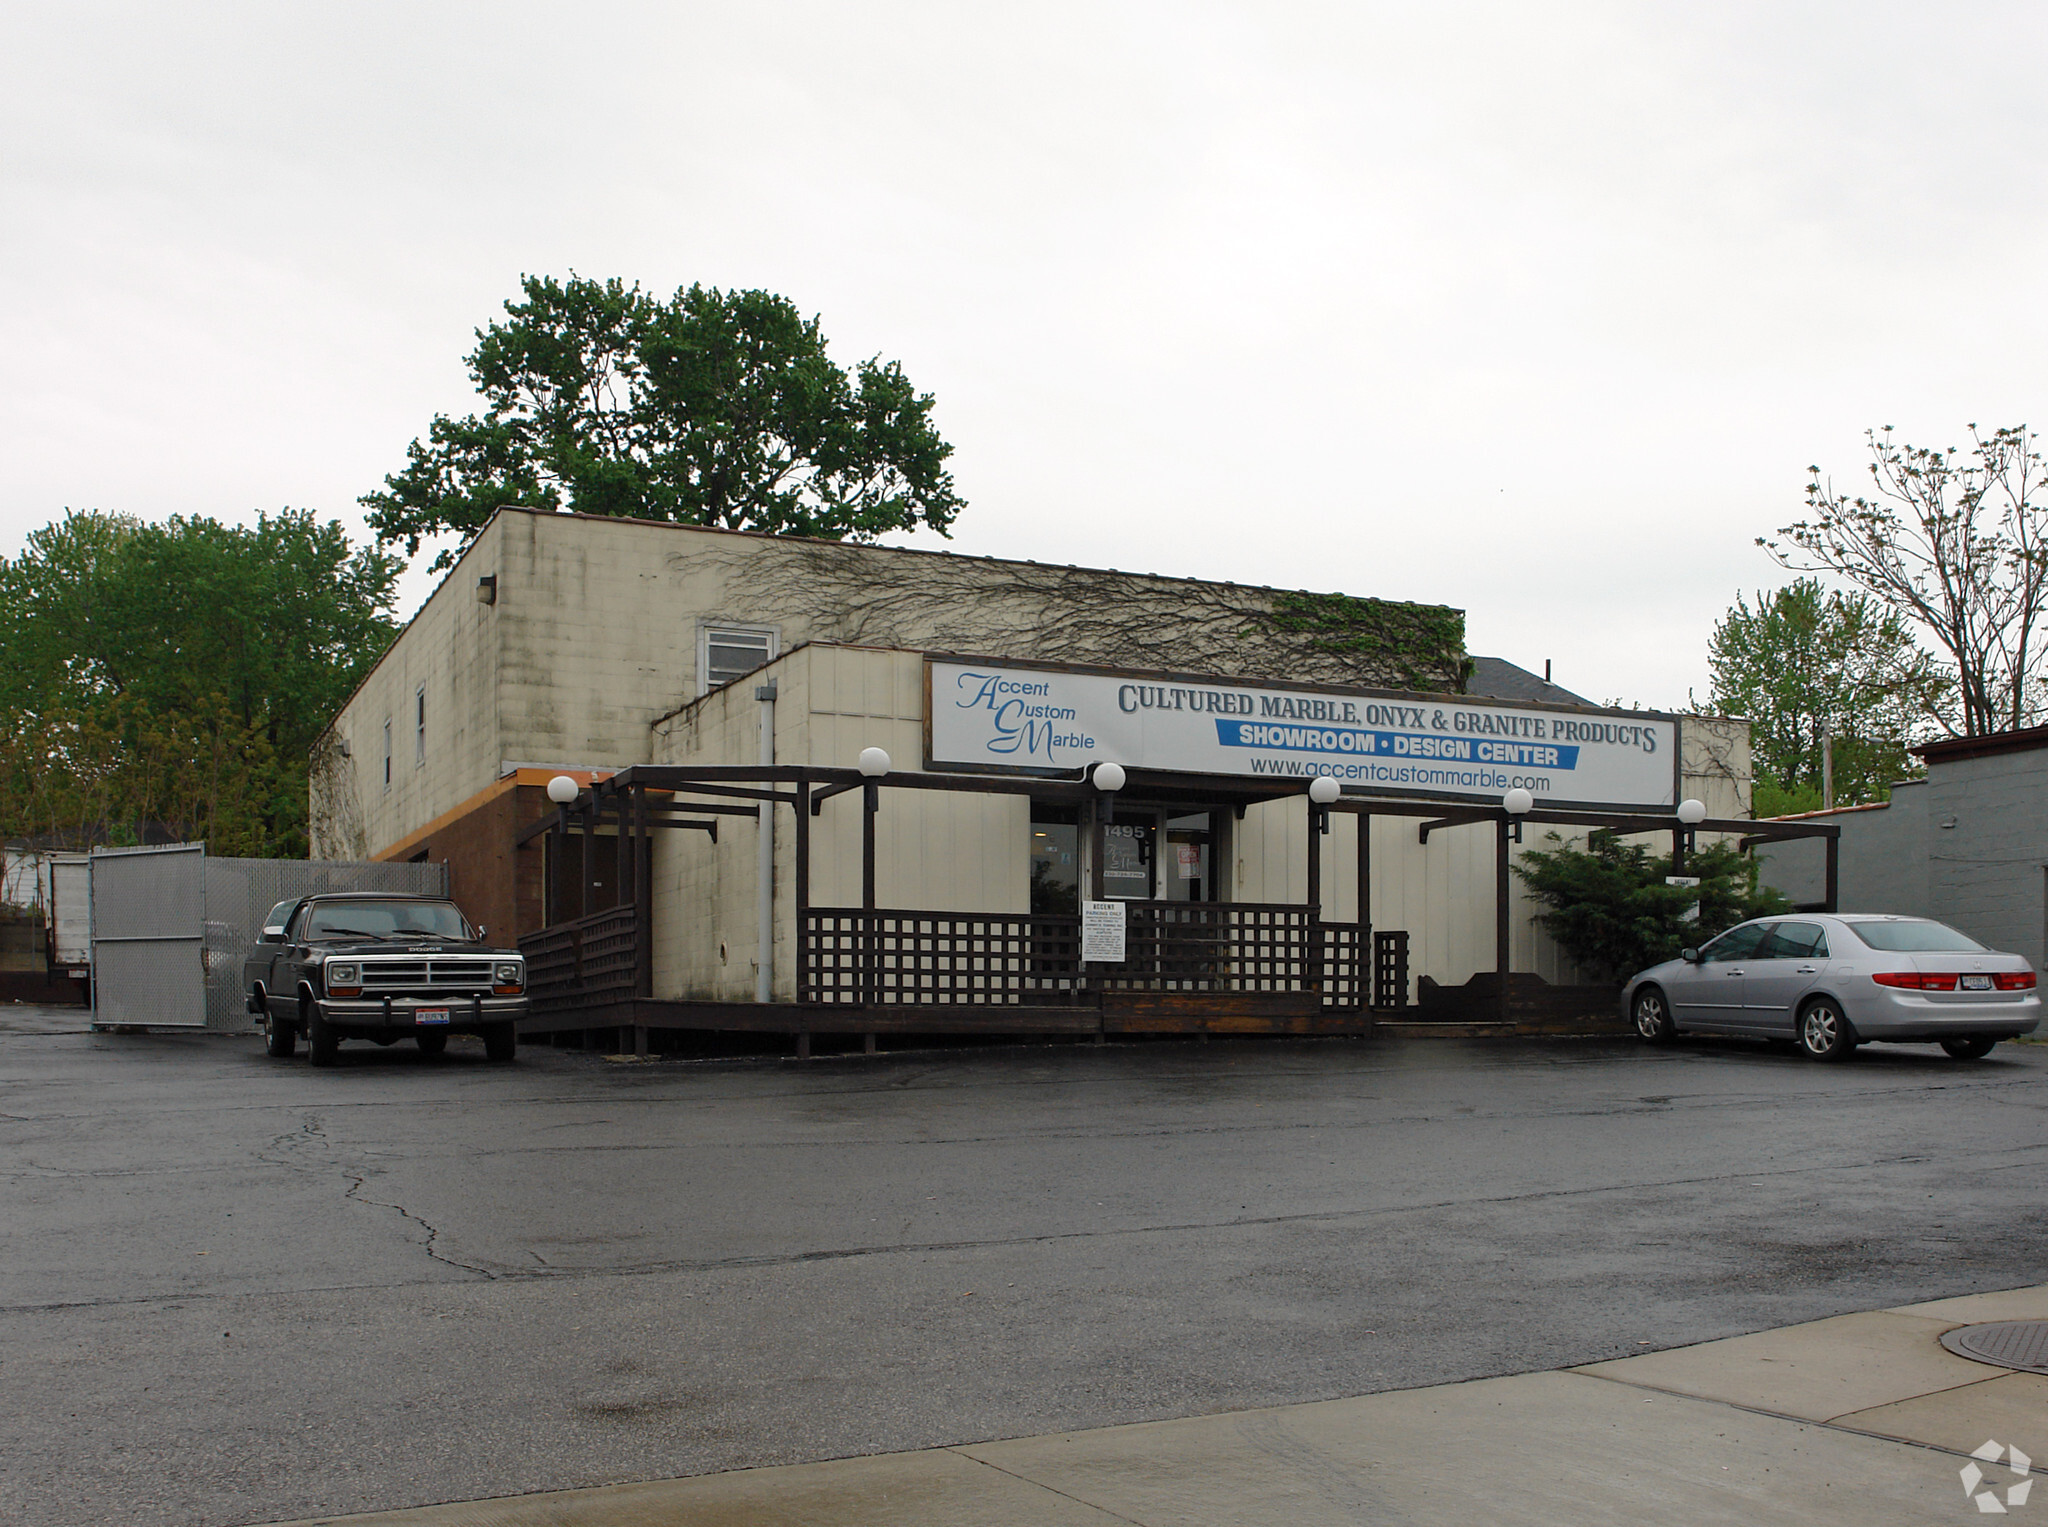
(493, 882)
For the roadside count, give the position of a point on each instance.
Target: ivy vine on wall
(1421, 644)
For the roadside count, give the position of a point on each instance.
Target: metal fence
(171, 927)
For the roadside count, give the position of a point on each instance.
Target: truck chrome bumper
(465, 1014)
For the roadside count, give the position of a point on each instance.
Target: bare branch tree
(1956, 541)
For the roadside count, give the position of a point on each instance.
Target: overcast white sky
(1536, 310)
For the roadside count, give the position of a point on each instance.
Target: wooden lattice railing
(893, 956)
(586, 963)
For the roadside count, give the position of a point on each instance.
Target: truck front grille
(426, 977)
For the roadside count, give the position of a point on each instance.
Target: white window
(387, 752)
(419, 726)
(725, 653)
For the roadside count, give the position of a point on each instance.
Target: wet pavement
(237, 1290)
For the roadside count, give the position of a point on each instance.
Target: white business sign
(1027, 718)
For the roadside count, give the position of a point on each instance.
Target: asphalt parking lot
(237, 1290)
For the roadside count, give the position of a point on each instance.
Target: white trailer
(66, 894)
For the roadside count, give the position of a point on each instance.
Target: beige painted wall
(595, 634)
(450, 649)
(934, 850)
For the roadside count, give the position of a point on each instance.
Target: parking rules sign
(1102, 931)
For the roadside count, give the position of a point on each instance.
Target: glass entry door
(1188, 873)
(1153, 853)
(1130, 854)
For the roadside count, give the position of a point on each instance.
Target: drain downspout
(764, 896)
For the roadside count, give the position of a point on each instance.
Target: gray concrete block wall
(1987, 849)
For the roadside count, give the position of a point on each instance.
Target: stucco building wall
(595, 631)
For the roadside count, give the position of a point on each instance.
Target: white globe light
(1323, 789)
(562, 790)
(1109, 776)
(874, 763)
(1692, 813)
(1517, 802)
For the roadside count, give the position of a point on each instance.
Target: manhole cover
(2021, 1344)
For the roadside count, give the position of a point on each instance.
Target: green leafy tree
(1807, 663)
(712, 408)
(1956, 542)
(175, 675)
(1611, 911)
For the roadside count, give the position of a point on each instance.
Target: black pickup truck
(380, 966)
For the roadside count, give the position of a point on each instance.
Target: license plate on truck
(431, 1015)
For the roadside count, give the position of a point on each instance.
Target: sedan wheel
(1968, 1049)
(1824, 1033)
(1652, 1017)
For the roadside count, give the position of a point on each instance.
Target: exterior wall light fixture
(874, 762)
(562, 790)
(1322, 790)
(1517, 803)
(1691, 812)
(1108, 778)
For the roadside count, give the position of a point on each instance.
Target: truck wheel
(431, 1041)
(501, 1042)
(280, 1035)
(322, 1043)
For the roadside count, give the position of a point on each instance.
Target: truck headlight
(344, 979)
(508, 978)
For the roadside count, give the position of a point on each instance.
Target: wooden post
(1096, 840)
(643, 894)
(803, 888)
(1312, 964)
(1500, 909)
(870, 801)
(1364, 876)
(1362, 961)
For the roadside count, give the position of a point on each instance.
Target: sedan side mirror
(1690, 956)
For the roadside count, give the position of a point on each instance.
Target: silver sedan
(1829, 982)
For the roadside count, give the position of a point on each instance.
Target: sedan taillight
(2015, 980)
(1913, 980)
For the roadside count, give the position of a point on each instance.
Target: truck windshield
(386, 920)
(1915, 938)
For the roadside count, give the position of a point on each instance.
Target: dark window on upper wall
(387, 754)
(419, 726)
(733, 652)
(1055, 858)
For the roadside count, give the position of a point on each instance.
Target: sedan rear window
(1915, 937)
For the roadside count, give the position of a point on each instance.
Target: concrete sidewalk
(1862, 1419)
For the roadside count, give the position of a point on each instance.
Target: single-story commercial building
(725, 863)
(1967, 845)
